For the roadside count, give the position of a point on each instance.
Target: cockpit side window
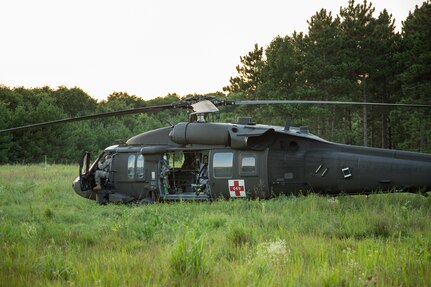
(131, 166)
(140, 164)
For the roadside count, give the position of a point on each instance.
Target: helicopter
(202, 160)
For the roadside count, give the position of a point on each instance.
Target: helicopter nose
(76, 185)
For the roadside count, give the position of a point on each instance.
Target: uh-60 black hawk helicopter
(201, 160)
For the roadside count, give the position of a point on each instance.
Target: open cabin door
(183, 176)
(84, 168)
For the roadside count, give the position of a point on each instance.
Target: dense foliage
(353, 56)
(65, 143)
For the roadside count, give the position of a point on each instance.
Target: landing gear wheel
(102, 197)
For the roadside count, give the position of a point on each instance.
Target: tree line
(65, 143)
(352, 56)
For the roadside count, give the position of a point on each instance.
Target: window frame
(140, 170)
(131, 166)
(213, 167)
(243, 156)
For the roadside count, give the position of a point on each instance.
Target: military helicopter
(203, 160)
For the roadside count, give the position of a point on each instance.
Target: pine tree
(249, 73)
(415, 127)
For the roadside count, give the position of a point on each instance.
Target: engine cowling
(200, 133)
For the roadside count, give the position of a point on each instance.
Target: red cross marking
(236, 188)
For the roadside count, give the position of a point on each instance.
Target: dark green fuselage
(249, 160)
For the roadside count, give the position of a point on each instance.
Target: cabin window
(140, 167)
(222, 164)
(131, 166)
(248, 165)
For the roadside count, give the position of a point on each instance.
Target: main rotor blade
(297, 102)
(101, 115)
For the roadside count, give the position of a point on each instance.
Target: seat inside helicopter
(184, 175)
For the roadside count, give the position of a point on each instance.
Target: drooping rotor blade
(148, 109)
(297, 102)
(203, 105)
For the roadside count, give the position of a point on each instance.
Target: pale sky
(147, 48)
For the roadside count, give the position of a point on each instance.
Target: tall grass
(49, 236)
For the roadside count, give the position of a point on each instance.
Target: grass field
(49, 236)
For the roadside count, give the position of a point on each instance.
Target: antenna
(287, 124)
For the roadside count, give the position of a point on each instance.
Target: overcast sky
(147, 48)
